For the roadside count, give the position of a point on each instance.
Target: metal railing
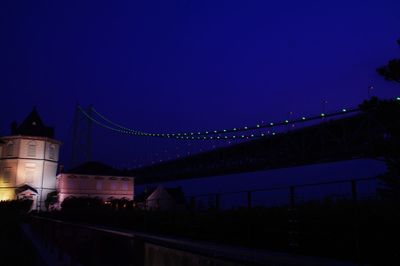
(289, 195)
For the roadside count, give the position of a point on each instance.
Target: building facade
(29, 161)
(93, 179)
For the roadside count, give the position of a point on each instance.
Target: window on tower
(32, 149)
(10, 149)
(52, 151)
(7, 175)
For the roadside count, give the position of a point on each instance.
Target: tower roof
(32, 126)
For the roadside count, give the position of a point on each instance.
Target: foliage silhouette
(391, 71)
(51, 199)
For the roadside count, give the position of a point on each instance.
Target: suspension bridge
(342, 135)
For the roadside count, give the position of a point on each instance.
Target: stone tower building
(28, 161)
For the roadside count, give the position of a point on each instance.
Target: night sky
(188, 65)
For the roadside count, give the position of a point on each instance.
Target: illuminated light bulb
(251, 135)
(322, 114)
(226, 137)
(192, 137)
(242, 136)
(286, 121)
(224, 130)
(206, 132)
(258, 125)
(211, 137)
(199, 133)
(184, 134)
(397, 98)
(218, 137)
(344, 110)
(179, 134)
(303, 118)
(271, 124)
(187, 137)
(262, 134)
(245, 127)
(215, 131)
(191, 133)
(234, 137)
(273, 133)
(234, 129)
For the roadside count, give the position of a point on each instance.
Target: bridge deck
(357, 136)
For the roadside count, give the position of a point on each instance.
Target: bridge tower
(81, 136)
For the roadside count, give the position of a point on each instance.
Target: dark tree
(391, 71)
(81, 204)
(51, 198)
(387, 112)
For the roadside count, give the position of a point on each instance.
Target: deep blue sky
(188, 65)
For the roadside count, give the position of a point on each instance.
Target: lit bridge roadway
(362, 135)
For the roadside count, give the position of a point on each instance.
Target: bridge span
(363, 135)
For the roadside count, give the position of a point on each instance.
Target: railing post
(192, 203)
(354, 190)
(293, 230)
(292, 197)
(356, 221)
(249, 200)
(217, 201)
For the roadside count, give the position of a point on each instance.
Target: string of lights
(175, 136)
(224, 134)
